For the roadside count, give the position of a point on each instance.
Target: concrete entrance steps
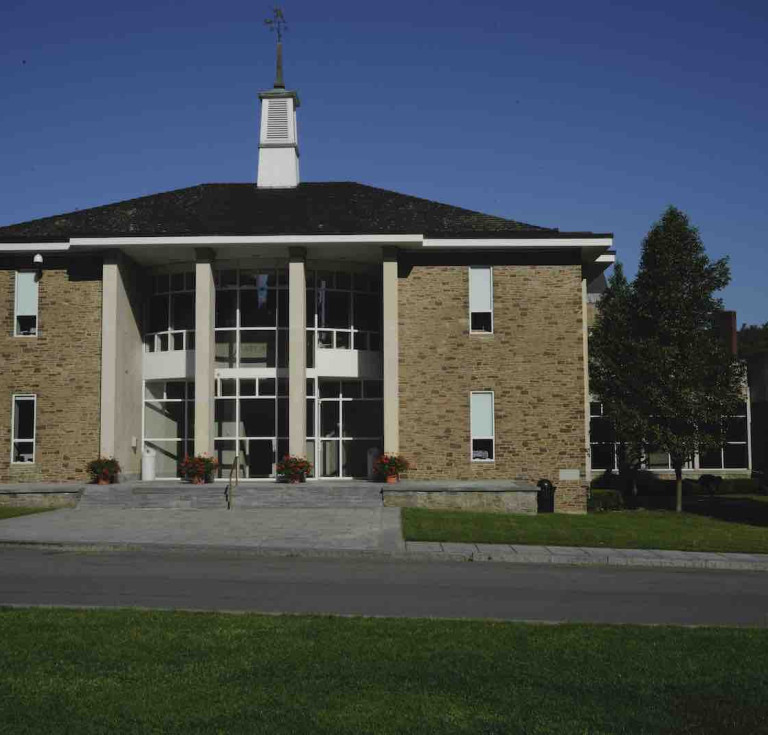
(253, 495)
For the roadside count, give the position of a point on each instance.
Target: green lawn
(136, 671)
(736, 529)
(11, 512)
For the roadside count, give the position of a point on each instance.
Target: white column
(121, 364)
(391, 354)
(205, 345)
(297, 353)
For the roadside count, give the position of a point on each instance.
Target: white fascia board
(606, 258)
(213, 240)
(38, 247)
(520, 242)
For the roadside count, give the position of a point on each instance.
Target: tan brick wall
(533, 362)
(62, 367)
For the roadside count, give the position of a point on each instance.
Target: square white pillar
(205, 346)
(297, 353)
(391, 354)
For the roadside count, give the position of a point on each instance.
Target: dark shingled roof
(332, 208)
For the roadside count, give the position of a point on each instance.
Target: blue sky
(582, 116)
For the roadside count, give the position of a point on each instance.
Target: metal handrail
(233, 472)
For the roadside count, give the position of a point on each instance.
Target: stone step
(179, 496)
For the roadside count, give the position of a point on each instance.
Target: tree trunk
(678, 485)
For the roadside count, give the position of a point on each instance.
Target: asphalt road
(237, 582)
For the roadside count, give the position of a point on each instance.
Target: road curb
(484, 557)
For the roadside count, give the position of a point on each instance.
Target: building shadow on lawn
(737, 509)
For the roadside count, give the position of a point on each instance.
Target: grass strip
(99, 671)
(636, 529)
(13, 512)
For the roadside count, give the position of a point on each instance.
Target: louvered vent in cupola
(278, 125)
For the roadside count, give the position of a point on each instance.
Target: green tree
(611, 349)
(753, 339)
(677, 381)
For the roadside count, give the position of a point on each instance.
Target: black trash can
(545, 500)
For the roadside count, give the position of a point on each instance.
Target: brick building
(330, 320)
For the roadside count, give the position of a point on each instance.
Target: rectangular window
(481, 299)
(25, 317)
(481, 422)
(23, 445)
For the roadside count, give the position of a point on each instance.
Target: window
(23, 446)
(481, 299)
(25, 320)
(481, 422)
(169, 313)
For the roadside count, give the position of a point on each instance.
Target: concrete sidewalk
(307, 532)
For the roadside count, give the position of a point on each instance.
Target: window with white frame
(23, 443)
(25, 306)
(481, 423)
(170, 313)
(481, 299)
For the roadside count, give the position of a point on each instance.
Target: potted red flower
(390, 466)
(199, 469)
(104, 470)
(293, 469)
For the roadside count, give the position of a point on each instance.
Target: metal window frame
(489, 268)
(25, 397)
(16, 307)
(484, 438)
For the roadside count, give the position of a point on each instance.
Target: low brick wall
(571, 496)
(488, 501)
(47, 499)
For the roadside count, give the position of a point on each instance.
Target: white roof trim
(39, 247)
(207, 240)
(520, 242)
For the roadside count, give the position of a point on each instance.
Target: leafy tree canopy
(656, 359)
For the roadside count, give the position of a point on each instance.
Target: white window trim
(493, 419)
(490, 272)
(27, 397)
(16, 308)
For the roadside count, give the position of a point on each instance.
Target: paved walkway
(358, 532)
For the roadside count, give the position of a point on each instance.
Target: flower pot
(392, 479)
(102, 481)
(197, 480)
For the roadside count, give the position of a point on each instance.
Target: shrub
(294, 469)
(105, 469)
(602, 500)
(740, 485)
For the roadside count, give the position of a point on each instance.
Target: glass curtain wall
(169, 423)
(343, 311)
(349, 423)
(170, 313)
(251, 318)
(733, 455)
(250, 424)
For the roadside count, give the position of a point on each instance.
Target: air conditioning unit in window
(25, 457)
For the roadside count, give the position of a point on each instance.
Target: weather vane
(277, 23)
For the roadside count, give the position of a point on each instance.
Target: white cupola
(278, 139)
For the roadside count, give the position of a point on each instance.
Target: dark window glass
(257, 417)
(735, 456)
(329, 418)
(226, 308)
(367, 312)
(334, 309)
(355, 458)
(174, 389)
(266, 386)
(481, 321)
(282, 417)
(736, 430)
(258, 308)
(282, 348)
(24, 419)
(183, 311)
(596, 409)
(310, 349)
(373, 388)
(310, 417)
(177, 282)
(157, 320)
(600, 429)
(362, 418)
(602, 457)
(351, 388)
(329, 388)
(711, 459)
(282, 308)
(248, 387)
